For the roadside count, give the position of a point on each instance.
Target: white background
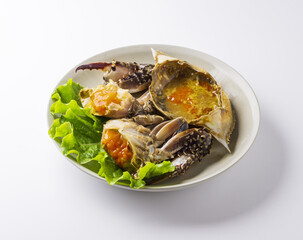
(42, 196)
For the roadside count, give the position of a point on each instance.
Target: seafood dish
(144, 123)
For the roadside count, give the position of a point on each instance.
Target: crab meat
(181, 89)
(128, 75)
(131, 145)
(110, 101)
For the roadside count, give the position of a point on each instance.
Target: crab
(131, 144)
(128, 75)
(179, 89)
(193, 107)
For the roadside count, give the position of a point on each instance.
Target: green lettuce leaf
(67, 92)
(79, 134)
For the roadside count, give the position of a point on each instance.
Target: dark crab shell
(133, 76)
(220, 121)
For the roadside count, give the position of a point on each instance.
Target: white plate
(242, 97)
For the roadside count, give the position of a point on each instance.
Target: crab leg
(194, 143)
(146, 102)
(147, 120)
(132, 76)
(170, 128)
(191, 141)
(185, 148)
(197, 143)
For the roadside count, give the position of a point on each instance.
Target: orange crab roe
(117, 147)
(182, 96)
(191, 99)
(102, 98)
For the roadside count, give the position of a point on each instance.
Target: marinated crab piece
(131, 145)
(111, 101)
(128, 75)
(137, 141)
(141, 142)
(181, 89)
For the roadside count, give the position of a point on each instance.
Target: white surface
(44, 197)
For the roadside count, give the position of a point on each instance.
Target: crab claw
(104, 66)
(132, 76)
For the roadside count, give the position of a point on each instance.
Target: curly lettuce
(79, 134)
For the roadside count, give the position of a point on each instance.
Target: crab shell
(219, 121)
